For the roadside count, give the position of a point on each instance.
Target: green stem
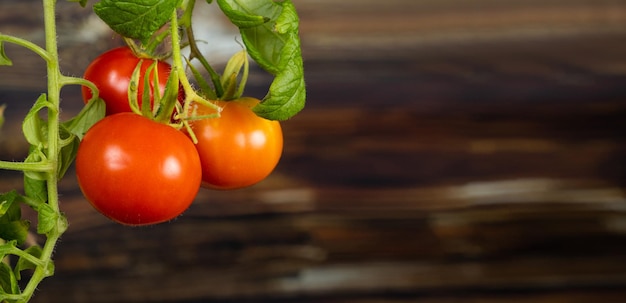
(67, 80)
(54, 97)
(186, 21)
(177, 65)
(22, 254)
(53, 148)
(6, 259)
(27, 44)
(195, 53)
(177, 62)
(155, 42)
(27, 166)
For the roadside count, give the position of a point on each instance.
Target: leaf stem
(27, 44)
(67, 80)
(27, 166)
(195, 53)
(22, 254)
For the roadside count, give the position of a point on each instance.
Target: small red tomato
(136, 171)
(238, 149)
(111, 73)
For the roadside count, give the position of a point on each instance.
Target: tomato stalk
(190, 94)
(196, 54)
(54, 93)
(48, 166)
(194, 51)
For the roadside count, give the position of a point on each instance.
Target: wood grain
(450, 151)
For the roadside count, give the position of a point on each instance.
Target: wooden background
(450, 151)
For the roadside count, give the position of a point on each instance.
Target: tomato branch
(196, 54)
(177, 66)
(43, 264)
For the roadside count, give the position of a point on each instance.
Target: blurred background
(450, 151)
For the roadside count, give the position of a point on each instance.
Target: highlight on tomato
(239, 148)
(111, 73)
(137, 171)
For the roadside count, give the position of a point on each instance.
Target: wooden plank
(450, 151)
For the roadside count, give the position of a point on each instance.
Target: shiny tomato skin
(111, 73)
(238, 149)
(136, 171)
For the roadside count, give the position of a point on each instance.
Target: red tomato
(136, 171)
(238, 149)
(111, 72)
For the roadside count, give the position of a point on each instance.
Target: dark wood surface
(450, 151)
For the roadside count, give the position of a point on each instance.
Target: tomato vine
(269, 32)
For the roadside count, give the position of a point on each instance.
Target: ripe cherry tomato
(136, 171)
(111, 73)
(238, 149)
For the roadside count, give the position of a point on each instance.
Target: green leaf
(15, 230)
(275, 46)
(263, 42)
(72, 131)
(7, 248)
(138, 19)
(2, 107)
(91, 113)
(69, 148)
(8, 281)
(286, 96)
(205, 88)
(10, 207)
(47, 218)
(243, 19)
(23, 263)
(4, 60)
(35, 182)
(82, 3)
(34, 128)
(36, 189)
(12, 227)
(6, 200)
